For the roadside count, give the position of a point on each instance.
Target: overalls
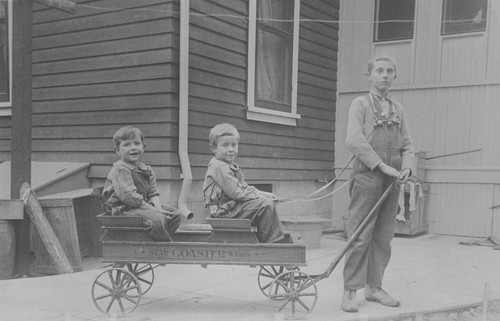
(367, 259)
(162, 226)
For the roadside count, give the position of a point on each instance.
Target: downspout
(186, 175)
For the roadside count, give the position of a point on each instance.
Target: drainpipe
(186, 175)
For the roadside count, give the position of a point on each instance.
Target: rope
(233, 16)
(307, 197)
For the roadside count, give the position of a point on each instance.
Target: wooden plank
(213, 80)
(218, 67)
(198, 146)
(204, 35)
(134, 59)
(119, 89)
(96, 145)
(199, 253)
(148, 42)
(153, 130)
(231, 223)
(141, 73)
(259, 132)
(106, 103)
(154, 158)
(112, 33)
(212, 51)
(45, 231)
(105, 18)
(11, 210)
(42, 14)
(108, 117)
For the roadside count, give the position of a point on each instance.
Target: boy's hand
(269, 195)
(165, 212)
(389, 171)
(404, 175)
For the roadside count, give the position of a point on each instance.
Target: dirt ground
(474, 313)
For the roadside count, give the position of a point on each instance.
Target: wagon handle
(355, 235)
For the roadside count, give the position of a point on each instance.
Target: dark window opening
(462, 16)
(394, 20)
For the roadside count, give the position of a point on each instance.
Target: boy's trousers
(369, 255)
(162, 226)
(263, 214)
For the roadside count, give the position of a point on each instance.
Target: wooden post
(49, 239)
(21, 120)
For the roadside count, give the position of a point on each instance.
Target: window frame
(6, 106)
(377, 22)
(260, 113)
(455, 32)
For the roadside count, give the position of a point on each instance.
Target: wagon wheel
(294, 294)
(116, 292)
(144, 273)
(268, 273)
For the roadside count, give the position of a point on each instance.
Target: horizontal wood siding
(218, 72)
(111, 63)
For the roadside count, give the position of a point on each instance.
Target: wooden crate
(72, 216)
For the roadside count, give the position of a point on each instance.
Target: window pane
(394, 19)
(273, 68)
(461, 16)
(269, 11)
(273, 65)
(4, 52)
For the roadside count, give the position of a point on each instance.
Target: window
(5, 56)
(461, 16)
(273, 61)
(394, 20)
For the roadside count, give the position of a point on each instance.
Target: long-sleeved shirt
(224, 184)
(128, 186)
(360, 125)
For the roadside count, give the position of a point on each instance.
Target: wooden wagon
(134, 256)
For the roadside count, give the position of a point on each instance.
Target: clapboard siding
(115, 62)
(134, 44)
(111, 63)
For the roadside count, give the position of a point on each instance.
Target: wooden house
(175, 68)
(448, 80)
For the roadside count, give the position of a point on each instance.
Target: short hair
(220, 130)
(381, 57)
(127, 132)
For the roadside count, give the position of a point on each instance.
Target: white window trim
(6, 107)
(263, 114)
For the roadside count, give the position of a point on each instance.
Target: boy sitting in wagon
(130, 187)
(228, 195)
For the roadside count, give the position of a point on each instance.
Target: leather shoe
(349, 301)
(380, 296)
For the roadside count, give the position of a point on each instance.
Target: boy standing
(378, 135)
(130, 187)
(228, 195)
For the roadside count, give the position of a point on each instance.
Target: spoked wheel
(267, 274)
(144, 273)
(294, 294)
(116, 292)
